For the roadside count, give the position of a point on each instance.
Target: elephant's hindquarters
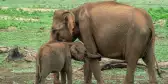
(53, 60)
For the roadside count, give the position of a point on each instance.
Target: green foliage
(158, 13)
(43, 17)
(22, 13)
(32, 38)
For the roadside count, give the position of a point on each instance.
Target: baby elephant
(55, 58)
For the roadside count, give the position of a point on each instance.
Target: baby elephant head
(78, 51)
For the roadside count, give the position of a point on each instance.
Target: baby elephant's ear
(73, 49)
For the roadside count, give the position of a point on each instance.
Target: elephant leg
(86, 32)
(69, 73)
(56, 78)
(69, 76)
(150, 62)
(63, 77)
(87, 72)
(131, 67)
(44, 73)
(96, 69)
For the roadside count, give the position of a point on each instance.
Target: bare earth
(9, 77)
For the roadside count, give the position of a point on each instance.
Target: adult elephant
(111, 29)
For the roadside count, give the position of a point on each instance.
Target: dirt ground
(7, 76)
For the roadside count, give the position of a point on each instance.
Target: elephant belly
(111, 38)
(111, 46)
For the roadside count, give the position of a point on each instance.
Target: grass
(43, 3)
(26, 31)
(34, 33)
(159, 13)
(43, 17)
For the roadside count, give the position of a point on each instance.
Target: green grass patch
(31, 38)
(59, 4)
(158, 13)
(24, 24)
(22, 13)
(44, 19)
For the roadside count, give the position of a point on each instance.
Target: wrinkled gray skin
(111, 29)
(56, 57)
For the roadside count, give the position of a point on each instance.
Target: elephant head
(78, 51)
(63, 26)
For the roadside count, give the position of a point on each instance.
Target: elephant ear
(69, 20)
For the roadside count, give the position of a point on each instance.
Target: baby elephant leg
(68, 70)
(44, 72)
(69, 75)
(43, 76)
